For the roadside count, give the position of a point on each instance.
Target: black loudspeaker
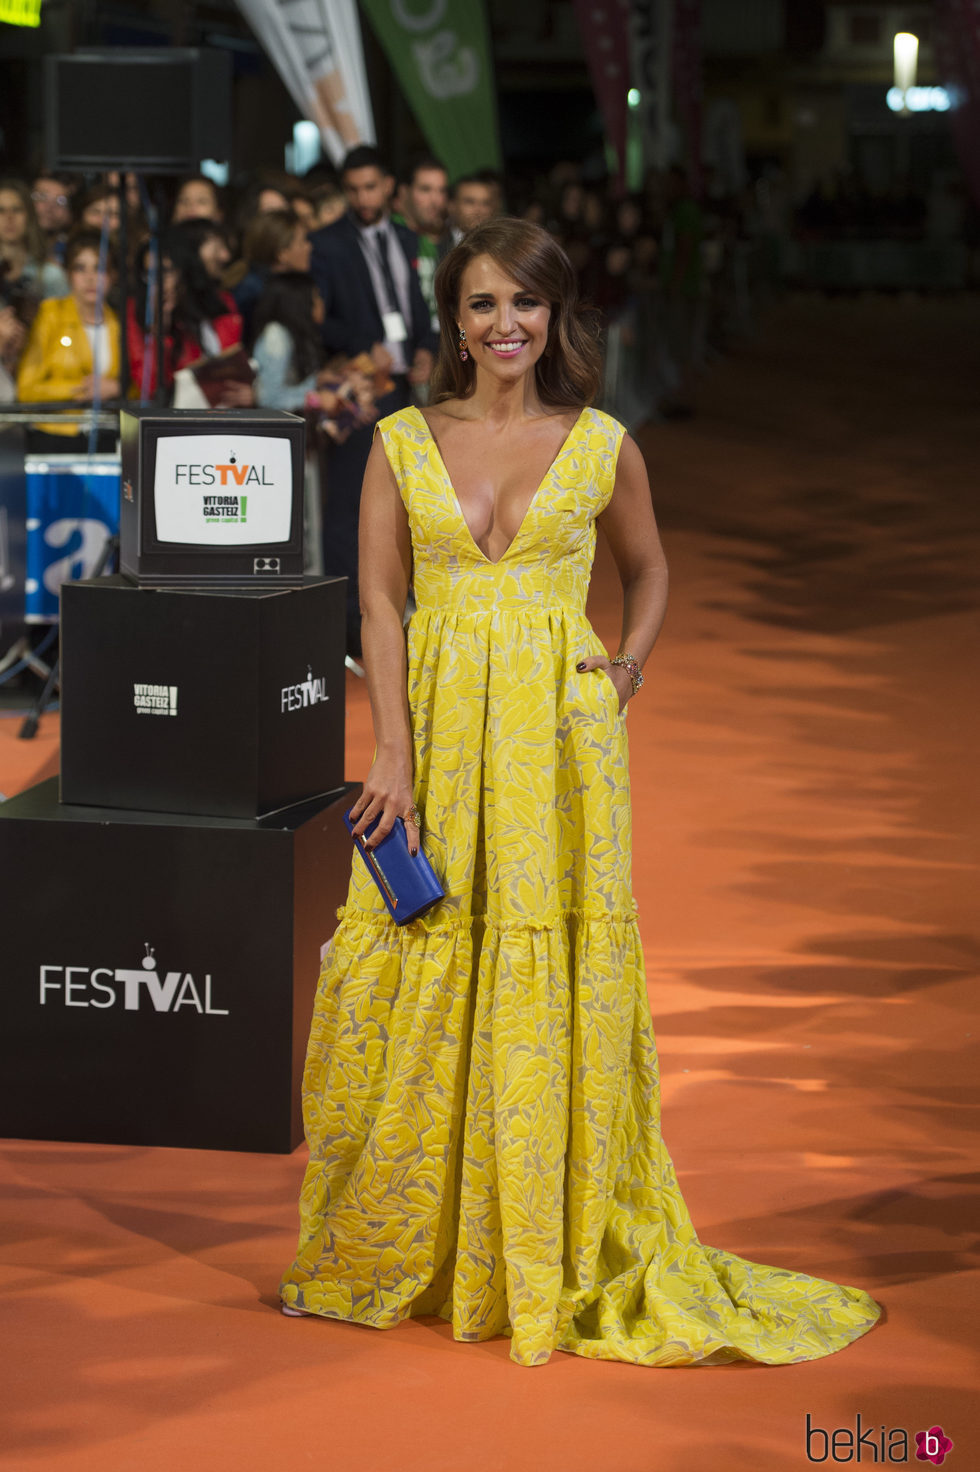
(158, 110)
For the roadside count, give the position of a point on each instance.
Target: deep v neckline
(495, 561)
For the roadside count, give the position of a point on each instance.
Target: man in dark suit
(365, 268)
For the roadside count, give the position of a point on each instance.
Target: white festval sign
(223, 490)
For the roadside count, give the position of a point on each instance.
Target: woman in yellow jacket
(73, 346)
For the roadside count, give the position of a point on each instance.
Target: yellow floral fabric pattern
(481, 1090)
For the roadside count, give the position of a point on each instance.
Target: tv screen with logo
(211, 496)
(223, 490)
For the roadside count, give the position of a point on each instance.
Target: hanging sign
(605, 28)
(440, 52)
(650, 45)
(958, 58)
(315, 46)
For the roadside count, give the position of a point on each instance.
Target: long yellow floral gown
(481, 1089)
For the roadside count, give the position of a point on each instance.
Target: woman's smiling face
(506, 323)
(214, 255)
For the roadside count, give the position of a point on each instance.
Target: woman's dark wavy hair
(569, 371)
(34, 241)
(198, 295)
(85, 237)
(287, 298)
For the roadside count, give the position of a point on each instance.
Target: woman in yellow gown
(481, 1091)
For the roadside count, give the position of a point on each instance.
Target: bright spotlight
(919, 99)
(306, 150)
(906, 59)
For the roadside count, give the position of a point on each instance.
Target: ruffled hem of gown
(795, 1338)
(482, 1107)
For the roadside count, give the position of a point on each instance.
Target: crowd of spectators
(680, 274)
(316, 295)
(843, 206)
(253, 296)
(233, 270)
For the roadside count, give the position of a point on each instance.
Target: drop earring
(463, 349)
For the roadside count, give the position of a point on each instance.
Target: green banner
(440, 52)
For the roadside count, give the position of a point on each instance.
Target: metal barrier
(640, 352)
(879, 265)
(58, 510)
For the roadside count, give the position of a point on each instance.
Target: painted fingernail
(414, 852)
(581, 666)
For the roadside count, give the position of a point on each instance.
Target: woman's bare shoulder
(462, 411)
(454, 409)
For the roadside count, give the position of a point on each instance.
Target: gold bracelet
(632, 668)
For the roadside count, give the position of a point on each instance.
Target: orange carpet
(805, 803)
(23, 763)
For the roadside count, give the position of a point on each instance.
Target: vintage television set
(211, 498)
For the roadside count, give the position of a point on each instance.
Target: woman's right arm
(385, 563)
(34, 378)
(273, 354)
(12, 336)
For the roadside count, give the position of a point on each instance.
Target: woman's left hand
(108, 388)
(12, 333)
(616, 672)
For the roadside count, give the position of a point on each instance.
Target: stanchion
(32, 719)
(19, 566)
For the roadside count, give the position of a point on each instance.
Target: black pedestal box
(228, 704)
(159, 971)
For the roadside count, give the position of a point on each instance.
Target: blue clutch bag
(408, 885)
